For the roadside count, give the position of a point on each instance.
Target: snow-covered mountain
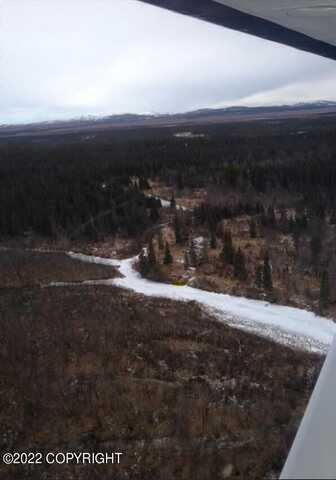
(200, 116)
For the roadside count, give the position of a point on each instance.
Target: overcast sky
(68, 58)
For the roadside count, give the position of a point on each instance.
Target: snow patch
(166, 203)
(286, 325)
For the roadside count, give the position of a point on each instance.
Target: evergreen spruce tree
(263, 217)
(143, 184)
(160, 240)
(168, 259)
(151, 254)
(304, 222)
(267, 274)
(186, 259)
(324, 291)
(177, 230)
(154, 213)
(271, 219)
(204, 255)
(228, 250)
(239, 266)
(333, 217)
(315, 247)
(259, 276)
(283, 221)
(144, 266)
(213, 240)
(180, 181)
(291, 224)
(253, 228)
(193, 257)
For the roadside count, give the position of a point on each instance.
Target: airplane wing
(308, 25)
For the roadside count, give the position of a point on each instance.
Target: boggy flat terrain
(27, 268)
(100, 369)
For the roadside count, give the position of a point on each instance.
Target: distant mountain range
(196, 117)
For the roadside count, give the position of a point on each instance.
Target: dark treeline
(70, 191)
(212, 214)
(88, 188)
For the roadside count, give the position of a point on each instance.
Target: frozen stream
(287, 325)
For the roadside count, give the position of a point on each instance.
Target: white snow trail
(287, 325)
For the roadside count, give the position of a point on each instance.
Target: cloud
(63, 59)
(310, 90)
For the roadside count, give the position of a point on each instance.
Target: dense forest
(88, 189)
(70, 192)
(50, 187)
(283, 181)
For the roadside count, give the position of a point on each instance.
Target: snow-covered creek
(287, 325)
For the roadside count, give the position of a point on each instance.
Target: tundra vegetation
(248, 210)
